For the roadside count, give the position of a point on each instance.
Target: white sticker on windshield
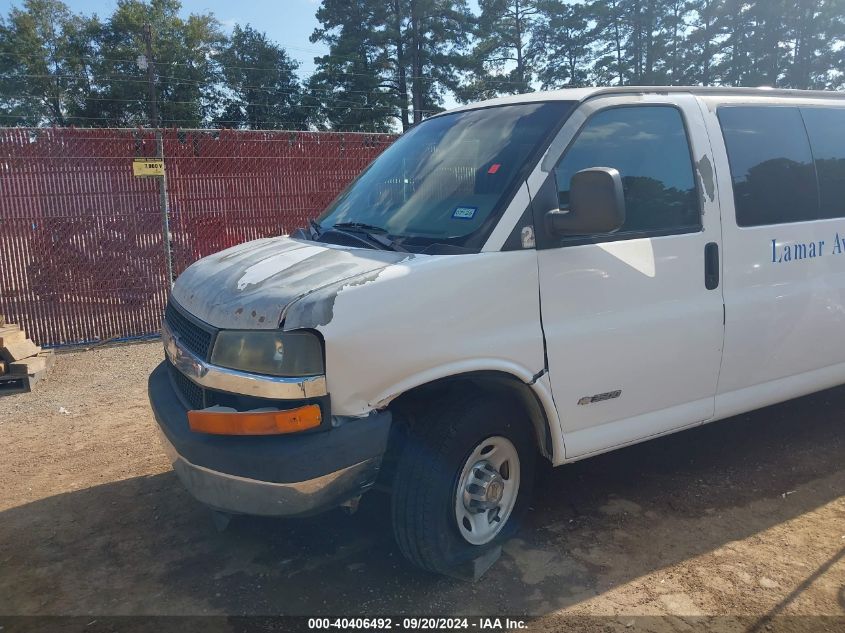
(464, 213)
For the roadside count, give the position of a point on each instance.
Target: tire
(434, 459)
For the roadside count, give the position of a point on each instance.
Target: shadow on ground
(144, 546)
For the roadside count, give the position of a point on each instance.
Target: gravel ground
(743, 518)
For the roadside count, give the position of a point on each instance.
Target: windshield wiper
(360, 225)
(375, 233)
(316, 231)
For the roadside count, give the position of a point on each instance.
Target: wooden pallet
(22, 363)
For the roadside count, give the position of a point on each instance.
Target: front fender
(423, 319)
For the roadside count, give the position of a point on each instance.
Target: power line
(96, 58)
(263, 68)
(333, 98)
(141, 102)
(246, 104)
(351, 58)
(241, 133)
(226, 123)
(208, 84)
(270, 91)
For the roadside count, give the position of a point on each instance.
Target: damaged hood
(249, 286)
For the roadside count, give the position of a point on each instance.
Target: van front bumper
(288, 475)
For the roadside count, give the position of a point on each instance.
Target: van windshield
(448, 179)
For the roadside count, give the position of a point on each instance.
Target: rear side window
(774, 180)
(826, 129)
(649, 147)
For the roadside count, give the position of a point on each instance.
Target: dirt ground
(744, 518)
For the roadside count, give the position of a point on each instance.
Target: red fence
(82, 254)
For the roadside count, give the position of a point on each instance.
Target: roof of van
(582, 94)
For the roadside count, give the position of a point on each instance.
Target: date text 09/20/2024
(418, 623)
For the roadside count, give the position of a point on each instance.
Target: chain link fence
(82, 246)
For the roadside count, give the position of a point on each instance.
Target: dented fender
(425, 318)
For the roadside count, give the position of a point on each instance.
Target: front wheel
(463, 481)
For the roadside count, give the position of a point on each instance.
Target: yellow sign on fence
(143, 167)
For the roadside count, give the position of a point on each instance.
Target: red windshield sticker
(494, 168)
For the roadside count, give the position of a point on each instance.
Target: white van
(539, 277)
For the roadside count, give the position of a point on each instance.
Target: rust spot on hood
(231, 289)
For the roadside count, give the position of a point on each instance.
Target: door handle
(711, 265)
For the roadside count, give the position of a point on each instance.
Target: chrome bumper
(241, 495)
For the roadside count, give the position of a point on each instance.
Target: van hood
(249, 286)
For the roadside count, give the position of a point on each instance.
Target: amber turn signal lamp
(258, 423)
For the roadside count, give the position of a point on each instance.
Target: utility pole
(162, 180)
(151, 74)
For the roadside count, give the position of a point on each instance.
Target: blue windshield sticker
(464, 213)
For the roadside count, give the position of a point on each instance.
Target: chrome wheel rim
(487, 490)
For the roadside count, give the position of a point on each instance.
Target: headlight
(269, 352)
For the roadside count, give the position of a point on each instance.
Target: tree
(502, 55)
(560, 43)
(611, 32)
(399, 58)
(45, 53)
(437, 36)
(769, 50)
(392, 62)
(701, 44)
(645, 49)
(736, 28)
(808, 41)
(185, 52)
(351, 88)
(675, 20)
(260, 86)
(388, 60)
(426, 42)
(826, 68)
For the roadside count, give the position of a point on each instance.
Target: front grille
(193, 336)
(192, 393)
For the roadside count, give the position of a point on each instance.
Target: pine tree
(611, 34)
(260, 84)
(560, 42)
(771, 19)
(388, 61)
(675, 26)
(436, 36)
(807, 42)
(350, 89)
(826, 69)
(502, 56)
(701, 43)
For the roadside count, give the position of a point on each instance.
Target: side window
(826, 129)
(771, 164)
(649, 147)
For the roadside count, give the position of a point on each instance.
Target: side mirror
(596, 204)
